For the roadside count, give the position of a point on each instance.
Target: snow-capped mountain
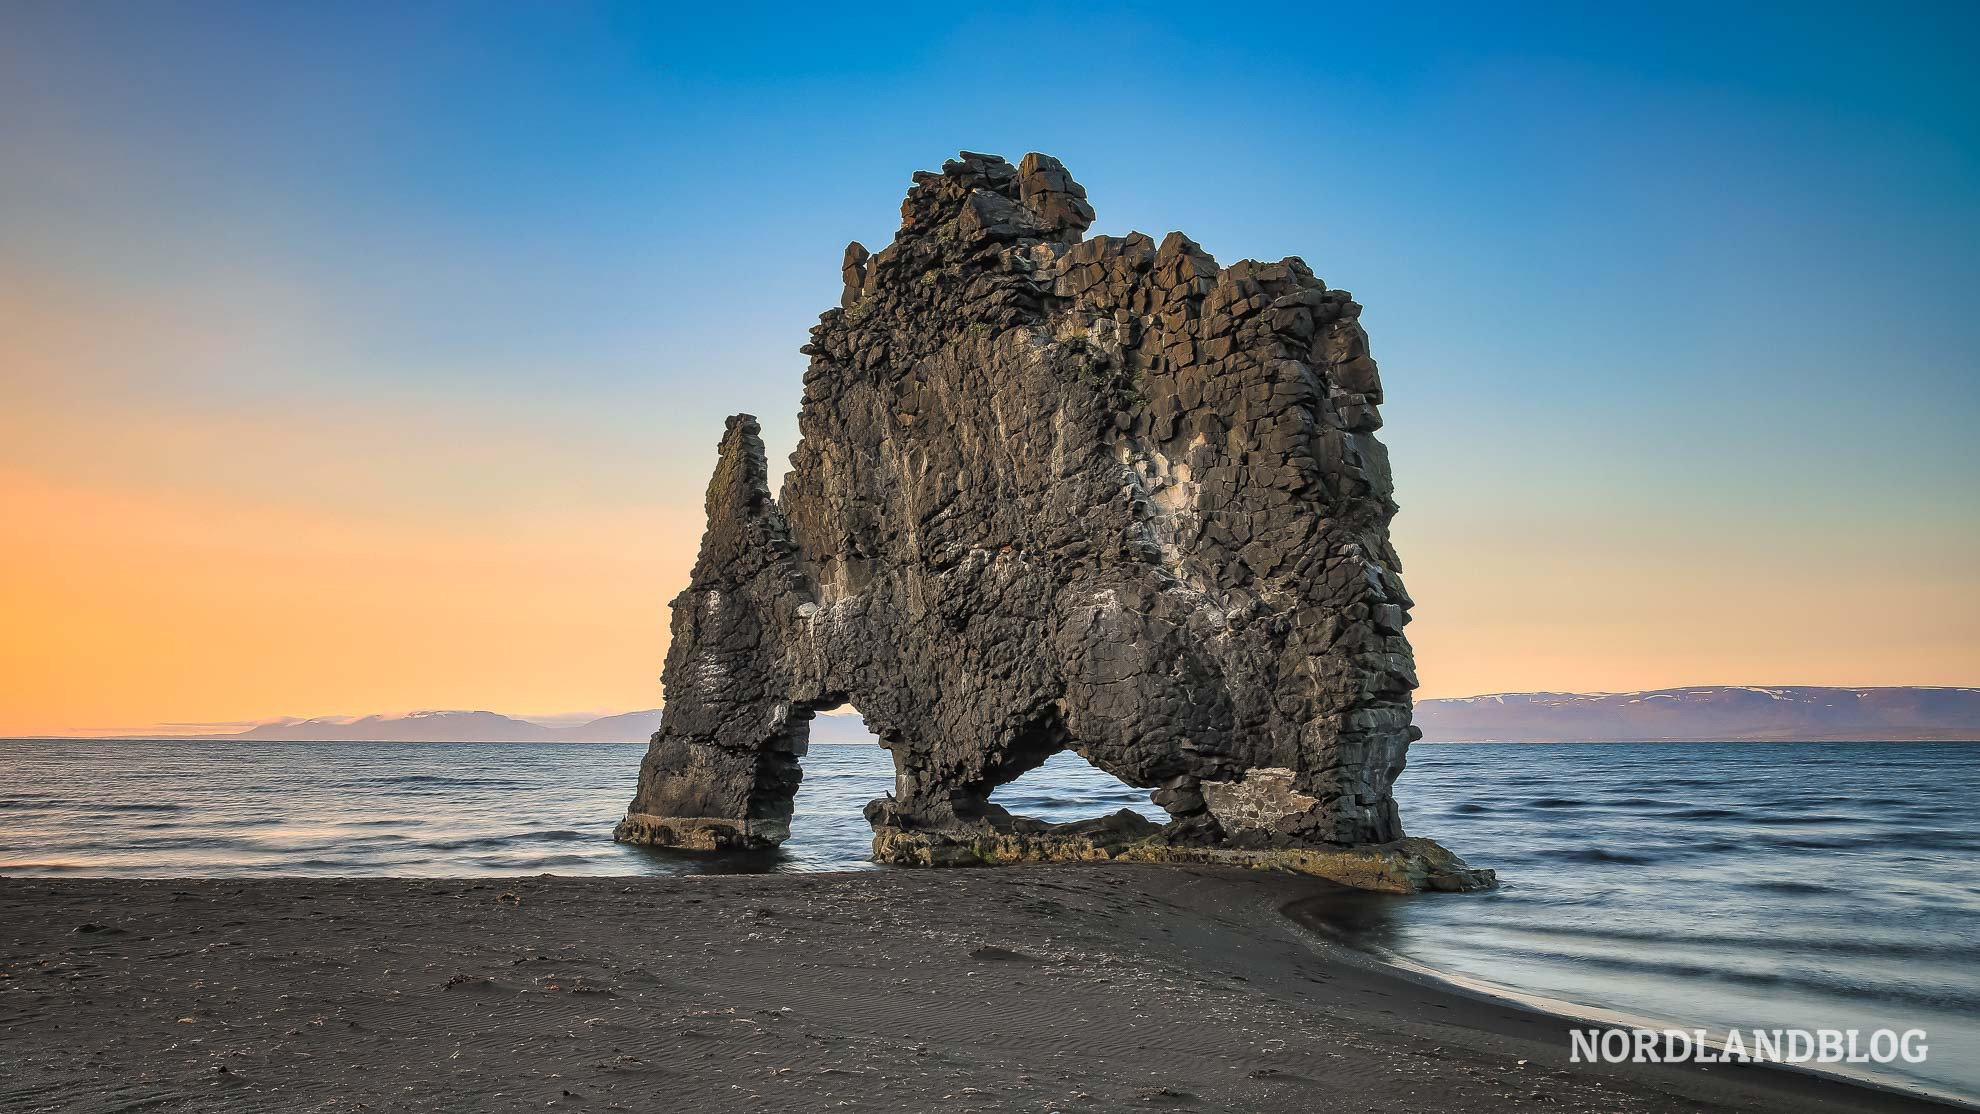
(1707, 712)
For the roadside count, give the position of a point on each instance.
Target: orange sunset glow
(322, 396)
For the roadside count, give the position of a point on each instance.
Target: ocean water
(1829, 885)
(160, 808)
(1722, 885)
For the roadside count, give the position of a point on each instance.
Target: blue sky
(1672, 303)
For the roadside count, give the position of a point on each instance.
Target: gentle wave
(1723, 885)
(1801, 885)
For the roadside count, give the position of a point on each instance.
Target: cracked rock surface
(1055, 493)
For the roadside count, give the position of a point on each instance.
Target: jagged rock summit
(1055, 493)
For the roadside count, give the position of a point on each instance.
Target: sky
(368, 357)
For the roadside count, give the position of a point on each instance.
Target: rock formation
(1057, 493)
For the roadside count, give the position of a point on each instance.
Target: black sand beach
(1072, 988)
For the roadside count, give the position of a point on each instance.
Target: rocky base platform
(700, 833)
(1404, 866)
(1409, 865)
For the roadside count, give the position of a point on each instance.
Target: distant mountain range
(430, 727)
(1698, 713)
(1729, 713)
(490, 727)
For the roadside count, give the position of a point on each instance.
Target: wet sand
(1055, 988)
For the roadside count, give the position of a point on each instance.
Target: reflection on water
(1828, 885)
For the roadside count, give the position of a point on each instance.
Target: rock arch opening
(843, 767)
(1067, 787)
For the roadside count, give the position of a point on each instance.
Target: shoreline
(1580, 1015)
(1077, 987)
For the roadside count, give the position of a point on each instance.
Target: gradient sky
(366, 357)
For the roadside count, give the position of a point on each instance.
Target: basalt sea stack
(1057, 493)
